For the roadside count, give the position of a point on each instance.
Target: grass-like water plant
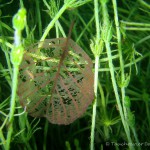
(115, 37)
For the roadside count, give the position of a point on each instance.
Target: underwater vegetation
(74, 74)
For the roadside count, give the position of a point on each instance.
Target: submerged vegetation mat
(74, 74)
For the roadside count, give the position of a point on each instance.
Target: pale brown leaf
(57, 81)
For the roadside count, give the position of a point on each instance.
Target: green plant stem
(38, 17)
(61, 29)
(2, 139)
(85, 28)
(136, 137)
(6, 43)
(116, 93)
(95, 73)
(136, 29)
(22, 124)
(120, 57)
(122, 70)
(12, 106)
(144, 3)
(127, 65)
(5, 50)
(51, 24)
(19, 21)
(95, 102)
(143, 25)
(103, 104)
(108, 50)
(8, 62)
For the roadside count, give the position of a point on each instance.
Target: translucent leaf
(56, 81)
